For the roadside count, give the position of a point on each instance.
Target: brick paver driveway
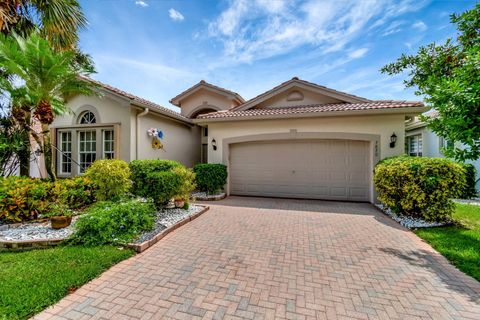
(269, 258)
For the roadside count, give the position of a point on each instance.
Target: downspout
(137, 127)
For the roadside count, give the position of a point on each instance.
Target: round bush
(187, 177)
(142, 168)
(111, 177)
(163, 186)
(210, 177)
(419, 187)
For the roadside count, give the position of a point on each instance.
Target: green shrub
(114, 222)
(111, 178)
(210, 177)
(162, 186)
(470, 190)
(23, 198)
(419, 187)
(187, 177)
(142, 168)
(76, 192)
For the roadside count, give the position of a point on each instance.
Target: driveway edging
(140, 247)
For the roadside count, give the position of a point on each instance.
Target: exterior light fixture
(393, 140)
(214, 144)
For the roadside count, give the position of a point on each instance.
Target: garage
(308, 169)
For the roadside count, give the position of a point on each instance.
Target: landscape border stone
(140, 247)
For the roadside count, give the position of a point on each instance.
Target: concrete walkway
(255, 258)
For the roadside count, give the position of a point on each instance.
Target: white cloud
(393, 27)
(257, 29)
(358, 53)
(420, 25)
(175, 15)
(141, 3)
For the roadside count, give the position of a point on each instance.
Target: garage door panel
(318, 169)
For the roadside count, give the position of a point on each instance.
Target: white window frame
(65, 152)
(110, 151)
(82, 167)
(419, 145)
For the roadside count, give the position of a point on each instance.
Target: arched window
(87, 117)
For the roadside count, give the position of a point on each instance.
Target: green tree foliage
(448, 77)
(57, 20)
(48, 79)
(12, 145)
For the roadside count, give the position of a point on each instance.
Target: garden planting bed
(410, 222)
(32, 234)
(166, 221)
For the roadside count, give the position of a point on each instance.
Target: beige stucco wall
(110, 110)
(181, 141)
(378, 125)
(309, 97)
(204, 99)
(383, 125)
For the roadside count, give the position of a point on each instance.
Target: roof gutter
(137, 127)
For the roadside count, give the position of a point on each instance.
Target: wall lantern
(214, 144)
(393, 139)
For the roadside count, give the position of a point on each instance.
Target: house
(421, 141)
(298, 140)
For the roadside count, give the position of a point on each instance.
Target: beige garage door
(313, 169)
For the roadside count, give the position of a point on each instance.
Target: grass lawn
(461, 243)
(32, 280)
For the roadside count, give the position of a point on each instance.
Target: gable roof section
(136, 100)
(314, 109)
(203, 84)
(296, 82)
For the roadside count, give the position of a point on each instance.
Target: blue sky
(158, 48)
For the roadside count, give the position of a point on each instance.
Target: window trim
(60, 157)
(99, 128)
(419, 138)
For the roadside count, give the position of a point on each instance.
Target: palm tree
(57, 20)
(46, 79)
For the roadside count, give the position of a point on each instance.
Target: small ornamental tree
(448, 77)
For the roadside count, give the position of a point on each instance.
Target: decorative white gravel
(473, 201)
(409, 222)
(204, 196)
(35, 231)
(166, 218)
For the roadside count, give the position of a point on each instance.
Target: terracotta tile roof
(205, 83)
(140, 101)
(313, 108)
(297, 80)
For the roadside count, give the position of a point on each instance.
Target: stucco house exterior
(421, 141)
(298, 140)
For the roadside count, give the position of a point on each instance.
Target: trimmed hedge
(419, 187)
(210, 177)
(111, 177)
(162, 186)
(114, 222)
(142, 168)
(470, 190)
